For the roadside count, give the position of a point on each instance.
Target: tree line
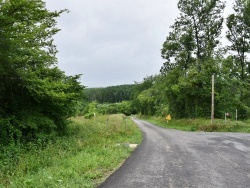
(111, 94)
(193, 52)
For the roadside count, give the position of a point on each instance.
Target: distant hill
(111, 94)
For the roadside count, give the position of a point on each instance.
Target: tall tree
(238, 34)
(195, 34)
(190, 51)
(35, 96)
(177, 50)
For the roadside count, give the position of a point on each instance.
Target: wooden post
(236, 116)
(212, 107)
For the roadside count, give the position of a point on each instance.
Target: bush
(124, 107)
(84, 157)
(9, 132)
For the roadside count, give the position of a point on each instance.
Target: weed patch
(201, 124)
(83, 158)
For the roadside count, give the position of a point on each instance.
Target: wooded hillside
(112, 94)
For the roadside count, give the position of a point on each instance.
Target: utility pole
(212, 107)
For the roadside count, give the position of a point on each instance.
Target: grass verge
(90, 152)
(201, 124)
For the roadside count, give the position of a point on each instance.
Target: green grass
(91, 151)
(201, 124)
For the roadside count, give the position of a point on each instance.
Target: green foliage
(84, 157)
(112, 94)
(90, 110)
(239, 38)
(191, 57)
(35, 95)
(124, 107)
(238, 35)
(144, 96)
(193, 54)
(146, 100)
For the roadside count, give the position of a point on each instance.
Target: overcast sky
(112, 42)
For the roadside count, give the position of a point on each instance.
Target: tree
(238, 35)
(205, 19)
(177, 50)
(190, 51)
(146, 101)
(35, 96)
(195, 33)
(138, 96)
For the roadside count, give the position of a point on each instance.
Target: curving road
(169, 158)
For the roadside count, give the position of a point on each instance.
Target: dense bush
(35, 96)
(124, 107)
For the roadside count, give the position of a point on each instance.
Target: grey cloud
(112, 42)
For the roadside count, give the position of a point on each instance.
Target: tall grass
(90, 152)
(201, 124)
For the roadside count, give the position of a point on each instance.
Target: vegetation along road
(170, 158)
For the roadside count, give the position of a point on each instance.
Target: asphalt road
(170, 158)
